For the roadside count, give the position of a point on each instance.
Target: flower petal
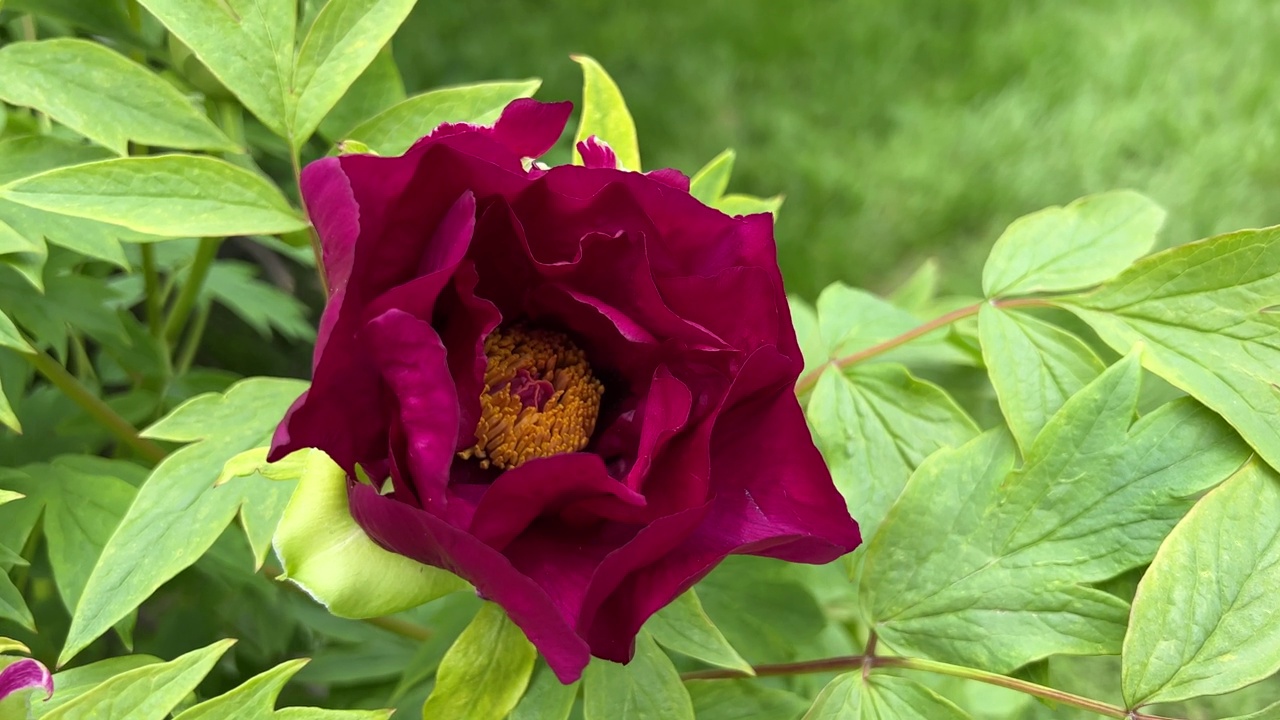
(424, 537)
(530, 128)
(597, 154)
(25, 674)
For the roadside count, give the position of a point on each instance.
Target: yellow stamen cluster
(540, 398)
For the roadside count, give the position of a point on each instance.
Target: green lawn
(902, 129)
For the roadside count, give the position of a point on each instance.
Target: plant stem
(190, 291)
(151, 280)
(810, 379)
(92, 404)
(191, 343)
(855, 662)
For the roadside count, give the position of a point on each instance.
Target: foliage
(1080, 463)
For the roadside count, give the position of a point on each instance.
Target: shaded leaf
(648, 688)
(262, 306)
(485, 672)
(683, 626)
(547, 698)
(743, 700)
(852, 697)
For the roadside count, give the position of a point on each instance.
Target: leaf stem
(810, 379)
(190, 292)
(94, 406)
(151, 281)
(191, 344)
(870, 660)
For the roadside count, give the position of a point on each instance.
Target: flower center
(540, 398)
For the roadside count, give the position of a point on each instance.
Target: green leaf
(875, 424)
(74, 301)
(852, 320)
(104, 96)
(171, 195)
(605, 115)
(106, 18)
(7, 417)
(709, 183)
(683, 626)
(547, 698)
(1270, 712)
(737, 204)
(393, 130)
(145, 693)
(648, 688)
(262, 306)
(255, 698)
(1034, 367)
(763, 609)
(178, 513)
(12, 606)
(247, 44)
(1207, 315)
(742, 700)
(852, 697)
(485, 672)
(918, 292)
(31, 154)
(1204, 615)
(310, 713)
(83, 499)
(9, 645)
(378, 88)
(343, 40)
(8, 496)
(71, 684)
(1072, 247)
(327, 554)
(987, 566)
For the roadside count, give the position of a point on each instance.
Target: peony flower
(25, 674)
(571, 386)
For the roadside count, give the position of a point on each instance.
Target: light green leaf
(1207, 315)
(71, 684)
(247, 44)
(104, 96)
(485, 672)
(178, 513)
(145, 693)
(648, 688)
(1034, 367)
(1204, 615)
(852, 320)
(310, 713)
(171, 195)
(762, 607)
(605, 115)
(255, 698)
(547, 698)
(683, 626)
(742, 700)
(9, 645)
(737, 204)
(812, 345)
(1270, 712)
(378, 88)
(83, 499)
(852, 697)
(31, 154)
(709, 183)
(917, 292)
(8, 496)
(875, 424)
(327, 554)
(981, 564)
(1072, 247)
(7, 417)
(343, 40)
(392, 131)
(251, 462)
(262, 306)
(12, 606)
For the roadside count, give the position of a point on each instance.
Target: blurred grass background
(904, 129)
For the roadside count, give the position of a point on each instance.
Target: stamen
(540, 398)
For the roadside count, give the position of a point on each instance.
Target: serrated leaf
(738, 204)
(547, 698)
(709, 183)
(853, 697)
(1203, 617)
(647, 688)
(874, 425)
(343, 40)
(981, 564)
(178, 513)
(393, 130)
(1207, 316)
(327, 554)
(262, 306)
(1034, 367)
(247, 44)
(1072, 247)
(145, 693)
(170, 195)
(104, 96)
(605, 115)
(485, 672)
(683, 626)
(742, 700)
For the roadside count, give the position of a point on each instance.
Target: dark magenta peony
(572, 387)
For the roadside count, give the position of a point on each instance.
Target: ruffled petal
(422, 536)
(596, 154)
